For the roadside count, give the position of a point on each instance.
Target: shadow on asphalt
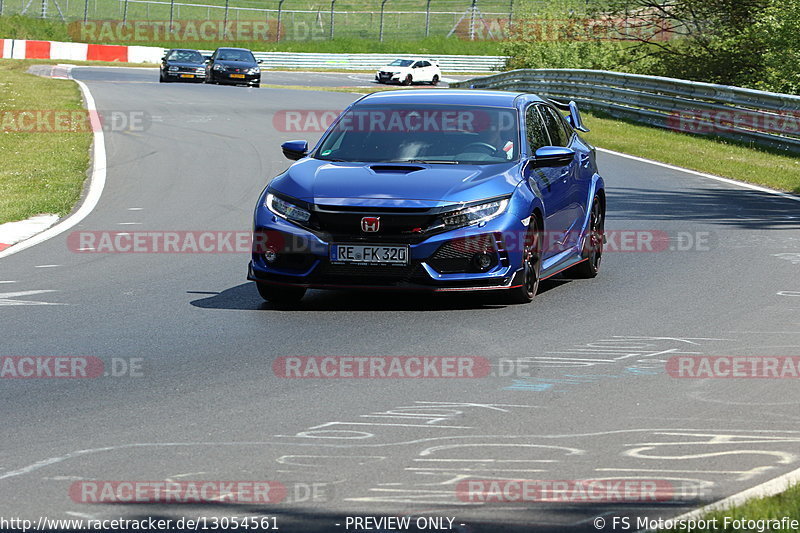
(245, 297)
(521, 517)
(740, 209)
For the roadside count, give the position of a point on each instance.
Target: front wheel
(280, 296)
(408, 80)
(531, 265)
(592, 244)
(435, 80)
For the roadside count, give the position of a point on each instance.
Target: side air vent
(394, 169)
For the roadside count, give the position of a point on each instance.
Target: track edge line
(97, 182)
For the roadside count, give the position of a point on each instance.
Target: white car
(408, 71)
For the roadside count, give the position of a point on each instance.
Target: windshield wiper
(426, 161)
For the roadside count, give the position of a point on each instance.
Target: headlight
(200, 70)
(217, 66)
(286, 210)
(254, 70)
(474, 214)
(173, 69)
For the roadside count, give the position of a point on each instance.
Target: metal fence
(299, 20)
(767, 119)
(447, 63)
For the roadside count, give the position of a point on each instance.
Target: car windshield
(401, 63)
(423, 134)
(236, 55)
(185, 56)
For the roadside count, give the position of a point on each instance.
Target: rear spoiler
(574, 116)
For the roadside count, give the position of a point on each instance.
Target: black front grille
(456, 256)
(296, 262)
(371, 274)
(397, 225)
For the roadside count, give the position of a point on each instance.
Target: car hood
(394, 184)
(237, 64)
(184, 64)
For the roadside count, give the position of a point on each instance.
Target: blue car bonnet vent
(395, 169)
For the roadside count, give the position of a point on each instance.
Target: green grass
(785, 504)
(767, 168)
(20, 27)
(41, 172)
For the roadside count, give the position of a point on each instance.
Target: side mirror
(553, 156)
(260, 61)
(295, 150)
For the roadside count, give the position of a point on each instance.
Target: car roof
(447, 97)
(232, 48)
(183, 50)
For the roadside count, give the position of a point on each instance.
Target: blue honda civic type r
(438, 190)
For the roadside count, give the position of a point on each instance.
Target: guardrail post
(510, 12)
(225, 21)
(333, 2)
(125, 13)
(427, 16)
(380, 33)
(278, 29)
(472, 10)
(171, 15)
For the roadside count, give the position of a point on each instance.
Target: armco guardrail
(448, 63)
(767, 119)
(22, 49)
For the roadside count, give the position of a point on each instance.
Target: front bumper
(387, 77)
(191, 77)
(228, 78)
(440, 263)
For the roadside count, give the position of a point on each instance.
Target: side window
(416, 65)
(555, 126)
(534, 127)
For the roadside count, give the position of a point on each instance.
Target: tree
(709, 40)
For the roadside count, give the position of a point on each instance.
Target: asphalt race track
(591, 401)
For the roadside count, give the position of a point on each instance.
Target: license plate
(237, 75)
(369, 254)
(187, 75)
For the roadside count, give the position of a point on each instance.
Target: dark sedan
(181, 64)
(234, 66)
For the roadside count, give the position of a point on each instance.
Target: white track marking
(704, 175)
(6, 298)
(96, 184)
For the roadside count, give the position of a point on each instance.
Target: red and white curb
(14, 232)
(22, 49)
